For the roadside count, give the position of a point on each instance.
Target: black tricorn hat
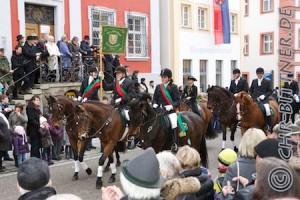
(19, 37)
(143, 170)
(192, 78)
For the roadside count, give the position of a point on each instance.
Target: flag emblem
(220, 2)
(113, 39)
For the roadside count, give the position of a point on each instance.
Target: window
(202, 18)
(266, 6)
(203, 79)
(233, 23)
(246, 45)
(233, 64)
(108, 18)
(137, 36)
(219, 72)
(246, 8)
(185, 16)
(186, 69)
(267, 42)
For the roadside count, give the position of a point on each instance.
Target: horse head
(82, 122)
(244, 101)
(56, 109)
(213, 99)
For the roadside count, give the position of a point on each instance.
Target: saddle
(263, 110)
(182, 124)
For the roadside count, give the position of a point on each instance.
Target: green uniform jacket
(4, 69)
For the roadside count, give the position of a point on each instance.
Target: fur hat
(227, 157)
(33, 174)
(143, 170)
(175, 187)
(42, 119)
(269, 148)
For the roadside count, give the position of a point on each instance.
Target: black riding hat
(290, 74)
(166, 72)
(260, 70)
(93, 69)
(192, 78)
(120, 69)
(236, 71)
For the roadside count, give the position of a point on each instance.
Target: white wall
(5, 32)
(254, 25)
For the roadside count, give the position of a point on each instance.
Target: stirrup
(174, 148)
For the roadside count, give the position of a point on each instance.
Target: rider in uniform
(238, 84)
(90, 86)
(261, 90)
(123, 92)
(190, 93)
(293, 85)
(167, 97)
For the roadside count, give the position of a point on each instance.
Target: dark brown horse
(252, 115)
(147, 125)
(61, 106)
(222, 103)
(106, 122)
(206, 115)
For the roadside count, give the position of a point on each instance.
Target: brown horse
(61, 106)
(222, 104)
(206, 115)
(106, 122)
(252, 115)
(147, 125)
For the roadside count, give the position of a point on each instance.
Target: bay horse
(206, 115)
(251, 114)
(147, 125)
(107, 123)
(61, 106)
(222, 103)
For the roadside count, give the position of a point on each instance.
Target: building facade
(274, 43)
(82, 17)
(188, 42)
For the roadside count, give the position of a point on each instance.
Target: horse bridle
(221, 103)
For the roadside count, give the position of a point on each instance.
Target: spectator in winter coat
(64, 50)
(5, 71)
(85, 46)
(57, 134)
(46, 140)
(34, 180)
(5, 139)
(20, 144)
(6, 110)
(18, 117)
(54, 53)
(135, 81)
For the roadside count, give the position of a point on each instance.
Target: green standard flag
(113, 39)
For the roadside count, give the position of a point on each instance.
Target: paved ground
(62, 171)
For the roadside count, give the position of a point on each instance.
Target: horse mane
(229, 94)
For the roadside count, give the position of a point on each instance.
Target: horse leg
(224, 136)
(118, 158)
(113, 169)
(99, 182)
(76, 161)
(233, 129)
(82, 146)
(106, 169)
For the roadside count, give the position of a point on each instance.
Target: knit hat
(21, 131)
(295, 129)
(269, 148)
(33, 174)
(143, 170)
(227, 157)
(42, 119)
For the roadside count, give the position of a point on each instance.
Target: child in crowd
(68, 148)
(226, 158)
(20, 144)
(47, 142)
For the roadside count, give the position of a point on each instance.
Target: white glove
(262, 97)
(84, 100)
(296, 98)
(79, 98)
(169, 107)
(101, 75)
(155, 105)
(118, 100)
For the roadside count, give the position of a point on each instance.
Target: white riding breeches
(173, 120)
(238, 111)
(268, 110)
(126, 114)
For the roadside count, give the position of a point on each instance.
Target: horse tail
(203, 152)
(121, 147)
(210, 132)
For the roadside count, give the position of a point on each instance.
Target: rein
(222, 103)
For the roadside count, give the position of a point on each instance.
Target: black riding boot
(131, 144)
(269, 123)
(174, 147)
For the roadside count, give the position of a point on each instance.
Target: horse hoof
(106, 169)
(99, 184)
(75, 178)
(112, 180)
(88, 171)
(118, 163)
(236, 149)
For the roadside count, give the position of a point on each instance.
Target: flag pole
(100, 57)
